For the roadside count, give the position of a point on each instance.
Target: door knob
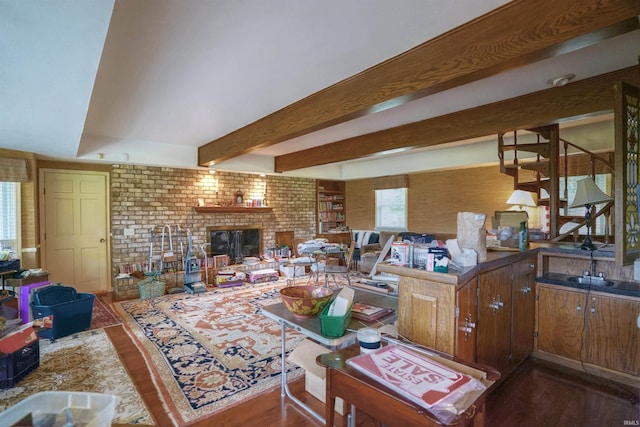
(102, 240)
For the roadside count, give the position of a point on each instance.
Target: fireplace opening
(235, 242)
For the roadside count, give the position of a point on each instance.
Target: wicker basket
(151, 287)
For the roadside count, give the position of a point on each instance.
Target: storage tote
(63, 408)
(71, 310)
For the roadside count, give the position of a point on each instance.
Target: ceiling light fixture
(561, 80)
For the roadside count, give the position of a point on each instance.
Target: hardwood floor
(541, 394)
(536, 394)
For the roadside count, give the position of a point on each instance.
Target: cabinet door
(494, 318)
(466, 321)
(523, 314)
(614, 338)
(561, 321)
(426, 313)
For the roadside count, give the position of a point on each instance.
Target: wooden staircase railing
(543, 171)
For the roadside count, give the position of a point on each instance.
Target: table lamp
(587, 195)
(521, 198)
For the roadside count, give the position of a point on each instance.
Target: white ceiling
(156, 79)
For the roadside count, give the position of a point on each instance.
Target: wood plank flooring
(536, 394)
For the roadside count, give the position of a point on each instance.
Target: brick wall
(143, 197)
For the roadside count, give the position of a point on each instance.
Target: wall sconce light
(211, 169)
(587, 195)
(521, 198)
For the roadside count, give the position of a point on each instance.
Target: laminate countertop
(497, 259)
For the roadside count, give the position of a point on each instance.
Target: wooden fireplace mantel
(232, 209)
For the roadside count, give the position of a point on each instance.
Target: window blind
(13, 170)
(392, 181)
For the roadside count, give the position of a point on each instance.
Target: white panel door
(74, 228)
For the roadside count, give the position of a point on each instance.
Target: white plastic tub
(52, 409)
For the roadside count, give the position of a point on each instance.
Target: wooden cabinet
(523, 309)
(506, 315)
(426, 313)
(331, 213)
(594, 328)
(439, 316)
(494, 318)
(560, 321)
(614, 333)
(466, 322)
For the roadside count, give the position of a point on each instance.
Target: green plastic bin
(334, 326)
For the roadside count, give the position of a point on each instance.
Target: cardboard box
(400, 253)
(314, 375)
(512, 220)
(290, 271)
(264, 275)
(436, 260)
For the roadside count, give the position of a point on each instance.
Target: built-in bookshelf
(331, 213)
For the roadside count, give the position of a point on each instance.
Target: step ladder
(192, 269)
(162, 257)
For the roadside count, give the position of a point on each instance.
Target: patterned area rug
(103, 315)
(212, 350)
(67, 365)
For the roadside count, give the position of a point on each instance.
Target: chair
(332, 270)
(307, 265)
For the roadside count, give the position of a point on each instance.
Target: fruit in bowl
(305, 301)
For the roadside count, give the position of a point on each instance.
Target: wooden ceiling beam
(584, 97)
(519, 33)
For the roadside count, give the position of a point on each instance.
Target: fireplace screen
(235, 243)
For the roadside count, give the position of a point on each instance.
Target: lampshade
(521, 198)
(588, 193)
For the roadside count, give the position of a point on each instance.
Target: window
(10, 216)
(391, 209)
(603, 181)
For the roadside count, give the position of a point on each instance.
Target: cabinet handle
(525, 290)
(468, 327)
(497, 303)
(593, 305)
(579, 308)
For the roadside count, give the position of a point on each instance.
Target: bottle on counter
(523, 240)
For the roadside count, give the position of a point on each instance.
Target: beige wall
(435, 198)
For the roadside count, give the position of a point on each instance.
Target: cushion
(364, 237)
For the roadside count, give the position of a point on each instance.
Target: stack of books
(369, 312)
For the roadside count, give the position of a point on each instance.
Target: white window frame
(400, 225)
(10, 215)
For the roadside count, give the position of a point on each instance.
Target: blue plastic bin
(71, 310)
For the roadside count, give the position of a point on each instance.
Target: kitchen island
(488, 313)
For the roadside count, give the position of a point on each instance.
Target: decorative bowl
(305, 301)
